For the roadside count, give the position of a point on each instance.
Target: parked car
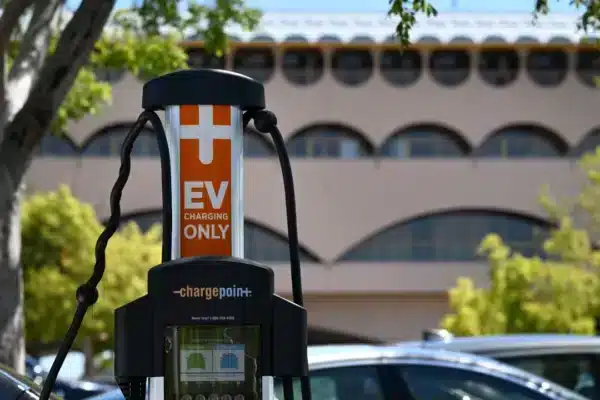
(79, 390)
(572, 361)
(349, 372)
(68, 390)
(381, 373)
(16, 387)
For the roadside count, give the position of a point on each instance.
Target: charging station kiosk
(210, 326)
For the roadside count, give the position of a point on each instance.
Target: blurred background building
(403, 161)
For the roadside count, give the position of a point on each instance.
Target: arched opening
(425, 141)
(260, 243)
(329, 141)
(590, 142)
(264, 244)
(107, 142)
(523, 141)
(56, 145)
(450, 236)
(256, 145)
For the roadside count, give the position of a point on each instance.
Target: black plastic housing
(140, 325)
(203, 86)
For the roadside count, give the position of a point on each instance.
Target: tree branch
(13, 10)
(58, 73)
(33, 49)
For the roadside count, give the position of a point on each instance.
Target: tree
(59, 236)
(47, 58)
(530, 294)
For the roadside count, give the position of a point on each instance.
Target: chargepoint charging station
(210, 326)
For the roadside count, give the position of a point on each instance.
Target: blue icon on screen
(229, 361)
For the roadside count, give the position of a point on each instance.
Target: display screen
(212, 363)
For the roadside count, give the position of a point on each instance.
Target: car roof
(329, 356)
(326, 355)
(528, 343)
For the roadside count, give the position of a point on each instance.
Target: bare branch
(28, 62)
(11, 14)
(13, 10)
(58, 73)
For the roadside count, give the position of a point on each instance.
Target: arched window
(255, 145)
(108, 143)
(426, 141)
(200, 58)
(522, 142)
(352, 66)
(453, 236)
(256, 62)
(329, 142)
(260, 244)
(302, 65)
(588, 144)
(450, 68)
(56, 146)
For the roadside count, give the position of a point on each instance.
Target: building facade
(403, 160)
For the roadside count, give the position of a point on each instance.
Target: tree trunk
(19, 136)
(12, 343)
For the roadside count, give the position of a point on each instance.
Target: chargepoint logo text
(213, 292)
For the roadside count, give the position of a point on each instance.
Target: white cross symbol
(206, 133)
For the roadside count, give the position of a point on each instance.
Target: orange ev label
(205, 180)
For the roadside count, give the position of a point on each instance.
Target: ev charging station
(210, 326)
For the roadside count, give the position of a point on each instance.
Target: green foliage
(59, 236)
(407, 11)
(558, 294)
(189, 19)
(86, 97)
(145, 41)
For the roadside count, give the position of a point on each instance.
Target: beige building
(402, 161)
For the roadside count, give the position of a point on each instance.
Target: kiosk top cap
(203, 87)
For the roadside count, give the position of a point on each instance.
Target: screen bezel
(176, 387)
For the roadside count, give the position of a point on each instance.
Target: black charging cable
(87, 294)
(266, 122)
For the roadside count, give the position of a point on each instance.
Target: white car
(366, 372)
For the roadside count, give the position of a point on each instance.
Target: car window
(579, 372)
(446, 383)
(343, 383)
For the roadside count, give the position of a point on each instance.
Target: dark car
(79, 390)
(68, 390)
(572, 361)
(17, 387)
(353, 372)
